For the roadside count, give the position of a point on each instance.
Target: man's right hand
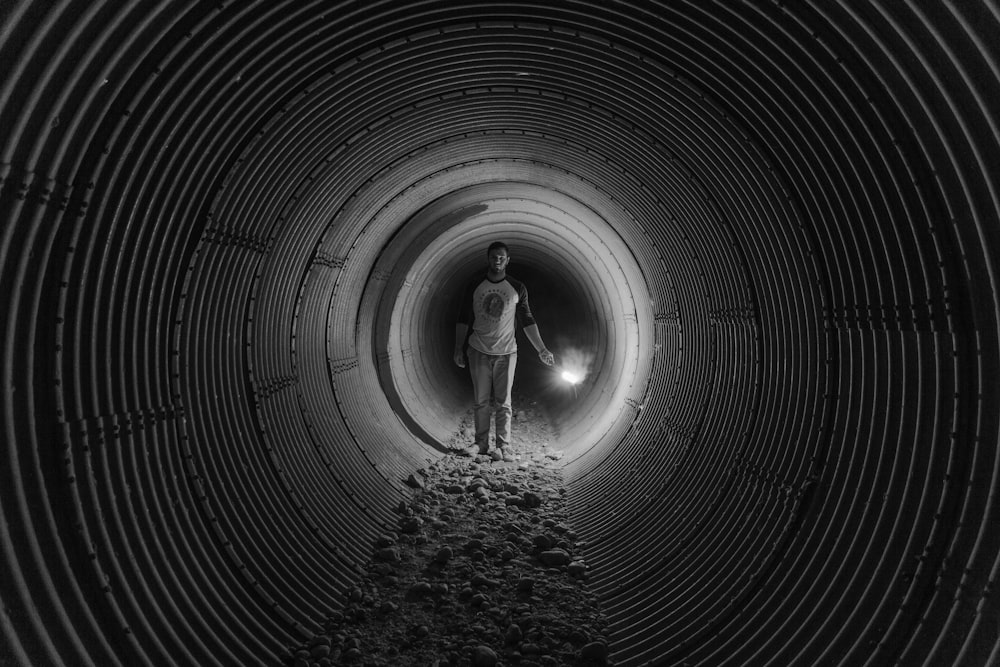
(460, 358)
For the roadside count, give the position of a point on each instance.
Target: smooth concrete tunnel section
(585, 287)
(233, 240)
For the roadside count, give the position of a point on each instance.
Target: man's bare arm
(461, 331)
(531, 331)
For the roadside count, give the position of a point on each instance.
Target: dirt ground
(483, 569)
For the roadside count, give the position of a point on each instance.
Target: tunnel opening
(575, 267)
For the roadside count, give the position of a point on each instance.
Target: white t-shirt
(492, 309)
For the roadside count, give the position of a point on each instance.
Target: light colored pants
(492, 375)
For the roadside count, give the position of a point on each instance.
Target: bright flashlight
(571, 377)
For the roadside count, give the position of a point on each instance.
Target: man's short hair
(497, 245)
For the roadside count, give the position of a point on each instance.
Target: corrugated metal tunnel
(232, 239)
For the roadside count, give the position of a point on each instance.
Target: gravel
(483, 569)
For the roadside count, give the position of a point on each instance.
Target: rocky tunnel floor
(482, 570)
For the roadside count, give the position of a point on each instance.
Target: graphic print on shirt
(493, 304)
(492, 310)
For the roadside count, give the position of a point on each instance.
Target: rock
(420, 589)
(443, 555)
(454, 489)
(319, 651)
(415, 482)
(482, 581)
(531, 499)
(542, 542)
(513, 634)
(410, 524)
(483, 656)
(544, 620)
(595, 652)
(388, 555)
(530, 648)
(525, 584)
(554, 557)
(577, 568)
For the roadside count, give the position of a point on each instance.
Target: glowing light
(571, 377)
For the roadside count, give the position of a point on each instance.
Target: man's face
(498, 259)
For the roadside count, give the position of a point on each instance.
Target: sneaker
(502, 454)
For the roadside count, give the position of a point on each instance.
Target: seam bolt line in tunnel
(231, 238)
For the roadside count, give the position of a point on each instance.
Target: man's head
(497, 255)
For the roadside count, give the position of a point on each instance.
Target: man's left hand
(547, 358)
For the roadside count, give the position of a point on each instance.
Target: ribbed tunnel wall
(227, 313)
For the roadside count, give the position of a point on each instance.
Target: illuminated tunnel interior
(233, 241)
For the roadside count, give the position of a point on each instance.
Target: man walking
(491, 307)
